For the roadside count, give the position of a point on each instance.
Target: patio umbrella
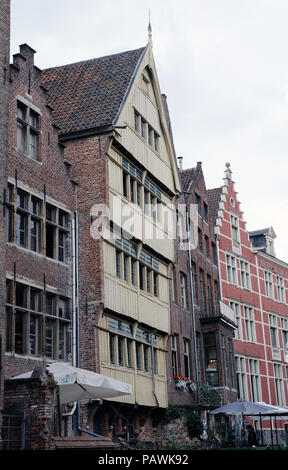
(242, 407)
(77, 384)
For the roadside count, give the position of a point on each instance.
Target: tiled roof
(213, 196)
(89, 94)
(186, 176)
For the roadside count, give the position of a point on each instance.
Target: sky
(223, 65)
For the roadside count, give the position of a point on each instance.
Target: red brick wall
(50, 175)
(90, 170)
(4, 106)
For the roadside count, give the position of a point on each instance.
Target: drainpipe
(192, 302)
(77, 318)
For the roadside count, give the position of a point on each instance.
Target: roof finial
(228, 171)
(150, 31)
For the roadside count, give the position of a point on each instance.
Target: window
(22, 218)
(136, 121)
(241, 378)
(231, 269)
(236, 307)
(254, 380)
(118, 263)
(126, 267)
(133, 271)
(268, 278)
(200, 241)
(28, 230)
(235, 229)
(231, 362)
(150, 136)
(224, 360)
(207, 252)
(174, 352)
(146, 131)
(186, 349)
(278, 374)
(214, 253)
(183, 289)
(28, 132)
(245, 274)
(112, 339)
(156, 142)
(210, 355)
(202, 293)
(25, 327)
(198, 202)
(210, 297)
(143, 128)
(205, 212)
(249, 324)
(280, 289)
(273, 331)
(142, 276)
(284, 326)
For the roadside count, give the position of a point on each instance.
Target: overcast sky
(223, 65)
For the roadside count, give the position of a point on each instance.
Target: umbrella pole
(271, 431)
(275, 422)
(59, 412)
(261, 429)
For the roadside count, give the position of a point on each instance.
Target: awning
(77, 384)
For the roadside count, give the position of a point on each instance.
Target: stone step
(83, 442)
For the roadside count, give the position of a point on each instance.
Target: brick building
(201, 342)
(254, 284)
(119, 146)
(4, 109)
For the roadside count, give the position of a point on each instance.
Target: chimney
(27, 52)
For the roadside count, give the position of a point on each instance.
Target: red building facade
(254, 284)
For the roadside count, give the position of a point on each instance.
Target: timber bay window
(26, 224)
(249, 324)
(268, 278)
(245, 275)
(142, 273)
(129, 350)
(145, 194)
(231, 269)
(30, 330)
(28, 130)
(210, 355)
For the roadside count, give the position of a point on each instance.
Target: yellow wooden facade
(134, 328)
